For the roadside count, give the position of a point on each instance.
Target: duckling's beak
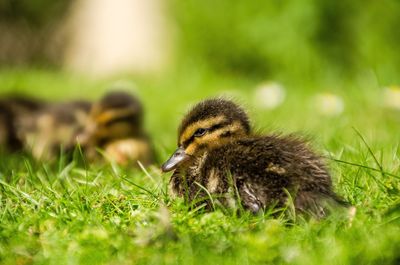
(177, 158)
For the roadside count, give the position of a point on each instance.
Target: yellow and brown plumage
(47, 129)
(217, 151)
(12, 109)
(53, 128)
(115, 125)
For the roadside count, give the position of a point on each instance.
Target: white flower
(391, 97)
(269, 95)
(329, 104)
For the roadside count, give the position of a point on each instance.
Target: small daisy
(391, 97)
(269, 95)
(329, 104)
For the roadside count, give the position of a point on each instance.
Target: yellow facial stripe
(214, 138)
(191, 149)
(112, 114)
(189, 131)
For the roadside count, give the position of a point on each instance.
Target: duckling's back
(53, 128)
(265, 168)
(13, 108)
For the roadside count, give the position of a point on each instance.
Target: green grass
(74, 213)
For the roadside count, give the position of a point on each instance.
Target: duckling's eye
(199, 132)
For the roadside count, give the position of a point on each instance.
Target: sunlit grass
(75, 213)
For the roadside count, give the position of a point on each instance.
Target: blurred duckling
(53, 129)
(218, 152)
(12, 110)
(115, 125)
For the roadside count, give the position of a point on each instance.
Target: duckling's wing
(266, 168)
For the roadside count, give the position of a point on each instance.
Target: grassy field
(78, 213)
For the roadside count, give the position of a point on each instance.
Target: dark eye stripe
(213, 128)
(128, 119)
(188, 141)
(226, 134)
(218, 126)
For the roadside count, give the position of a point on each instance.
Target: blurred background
(325, 70)
(314, 58)
(304, 40)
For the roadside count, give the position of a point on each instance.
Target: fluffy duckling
(12, 110)
(116, 125)
(54, 128)
(218, 155)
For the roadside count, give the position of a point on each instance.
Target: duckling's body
(45, 129)
(12, 110)
(129, 150)
(116, 125)
(219, 153)
(54, 128)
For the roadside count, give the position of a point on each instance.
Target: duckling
(13, 108)
(6, 126)
(54, 128)
(116, 125)
(219, 156)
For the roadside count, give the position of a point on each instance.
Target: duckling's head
(117, 115)
(210, 124)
